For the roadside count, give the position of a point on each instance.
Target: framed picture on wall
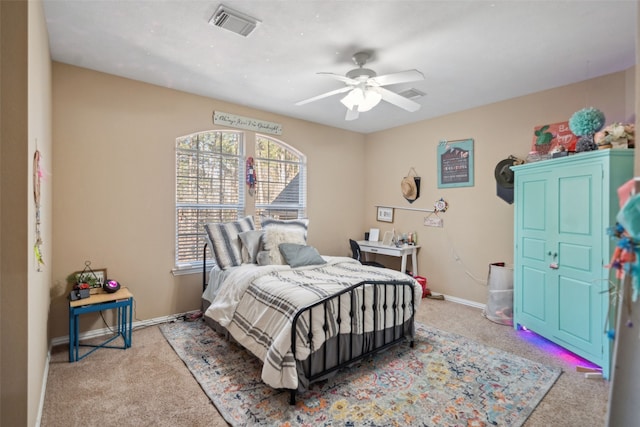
(385, 214)
(455, 163)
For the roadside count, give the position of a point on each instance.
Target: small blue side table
(122, 300)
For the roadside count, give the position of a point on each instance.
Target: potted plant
(543, 139)
(82, 283)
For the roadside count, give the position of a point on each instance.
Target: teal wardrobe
(563, 208)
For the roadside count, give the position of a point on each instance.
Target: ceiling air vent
(233, 20)
(412, 93)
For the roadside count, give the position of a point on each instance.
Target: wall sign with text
(546, 138)
(455, 163)
(241, 122)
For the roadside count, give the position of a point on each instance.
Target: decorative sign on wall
(433, 221)
(240, 122)
(455, 163)
(548, 137)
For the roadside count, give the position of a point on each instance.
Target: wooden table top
(122, 293)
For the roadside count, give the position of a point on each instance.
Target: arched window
(281, 190)
(210, 187)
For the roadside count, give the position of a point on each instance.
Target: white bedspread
(257, 305)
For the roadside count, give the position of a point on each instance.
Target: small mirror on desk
(374, 234)
(388, 238)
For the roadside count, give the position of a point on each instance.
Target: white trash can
(500, 304)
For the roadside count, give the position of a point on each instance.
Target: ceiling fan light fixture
(362, 99)
(354, 98)
(371, 98)
(365, 89)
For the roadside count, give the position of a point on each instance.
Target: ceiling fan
(365, 88)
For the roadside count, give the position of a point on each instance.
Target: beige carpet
(148, 385)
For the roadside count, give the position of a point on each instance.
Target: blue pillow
(300, 255)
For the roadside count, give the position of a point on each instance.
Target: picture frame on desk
(96, 284)
(387, 240)
(385, 214)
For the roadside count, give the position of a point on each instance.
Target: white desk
(391, 250)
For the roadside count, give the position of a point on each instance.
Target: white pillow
(273, 237)
(299, 224)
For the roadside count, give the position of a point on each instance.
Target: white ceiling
(472, 53)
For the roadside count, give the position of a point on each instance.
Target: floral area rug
(445, 380)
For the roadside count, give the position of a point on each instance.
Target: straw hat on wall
(410, 186)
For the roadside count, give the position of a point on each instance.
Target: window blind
(209, 188)
(281, 180)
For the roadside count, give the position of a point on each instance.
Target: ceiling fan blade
(395, 78)
(352, 114)
(325, 95)
(341, 78)
(399, 100)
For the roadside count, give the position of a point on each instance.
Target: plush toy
(617, 135)
(623, 256)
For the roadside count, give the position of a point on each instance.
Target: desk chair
(357, 254)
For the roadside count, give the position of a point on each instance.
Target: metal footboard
(395, 299)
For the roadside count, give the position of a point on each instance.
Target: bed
(304, 315)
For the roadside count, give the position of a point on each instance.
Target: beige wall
(478, 226)
(13, 214)
(114, 205)
(25, 117)
(40, 138)
(114, 185)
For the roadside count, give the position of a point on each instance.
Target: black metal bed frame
(379, 336)
(204, 266)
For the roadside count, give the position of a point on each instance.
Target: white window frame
(301, 205)
(195, 265)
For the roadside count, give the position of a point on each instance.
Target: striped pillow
(292, 224)
(251, 244)
(225, 242)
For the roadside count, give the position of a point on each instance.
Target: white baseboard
(45, 377)
(106, 331)
(463, 301)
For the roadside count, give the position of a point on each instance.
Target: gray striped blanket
(257, 304)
